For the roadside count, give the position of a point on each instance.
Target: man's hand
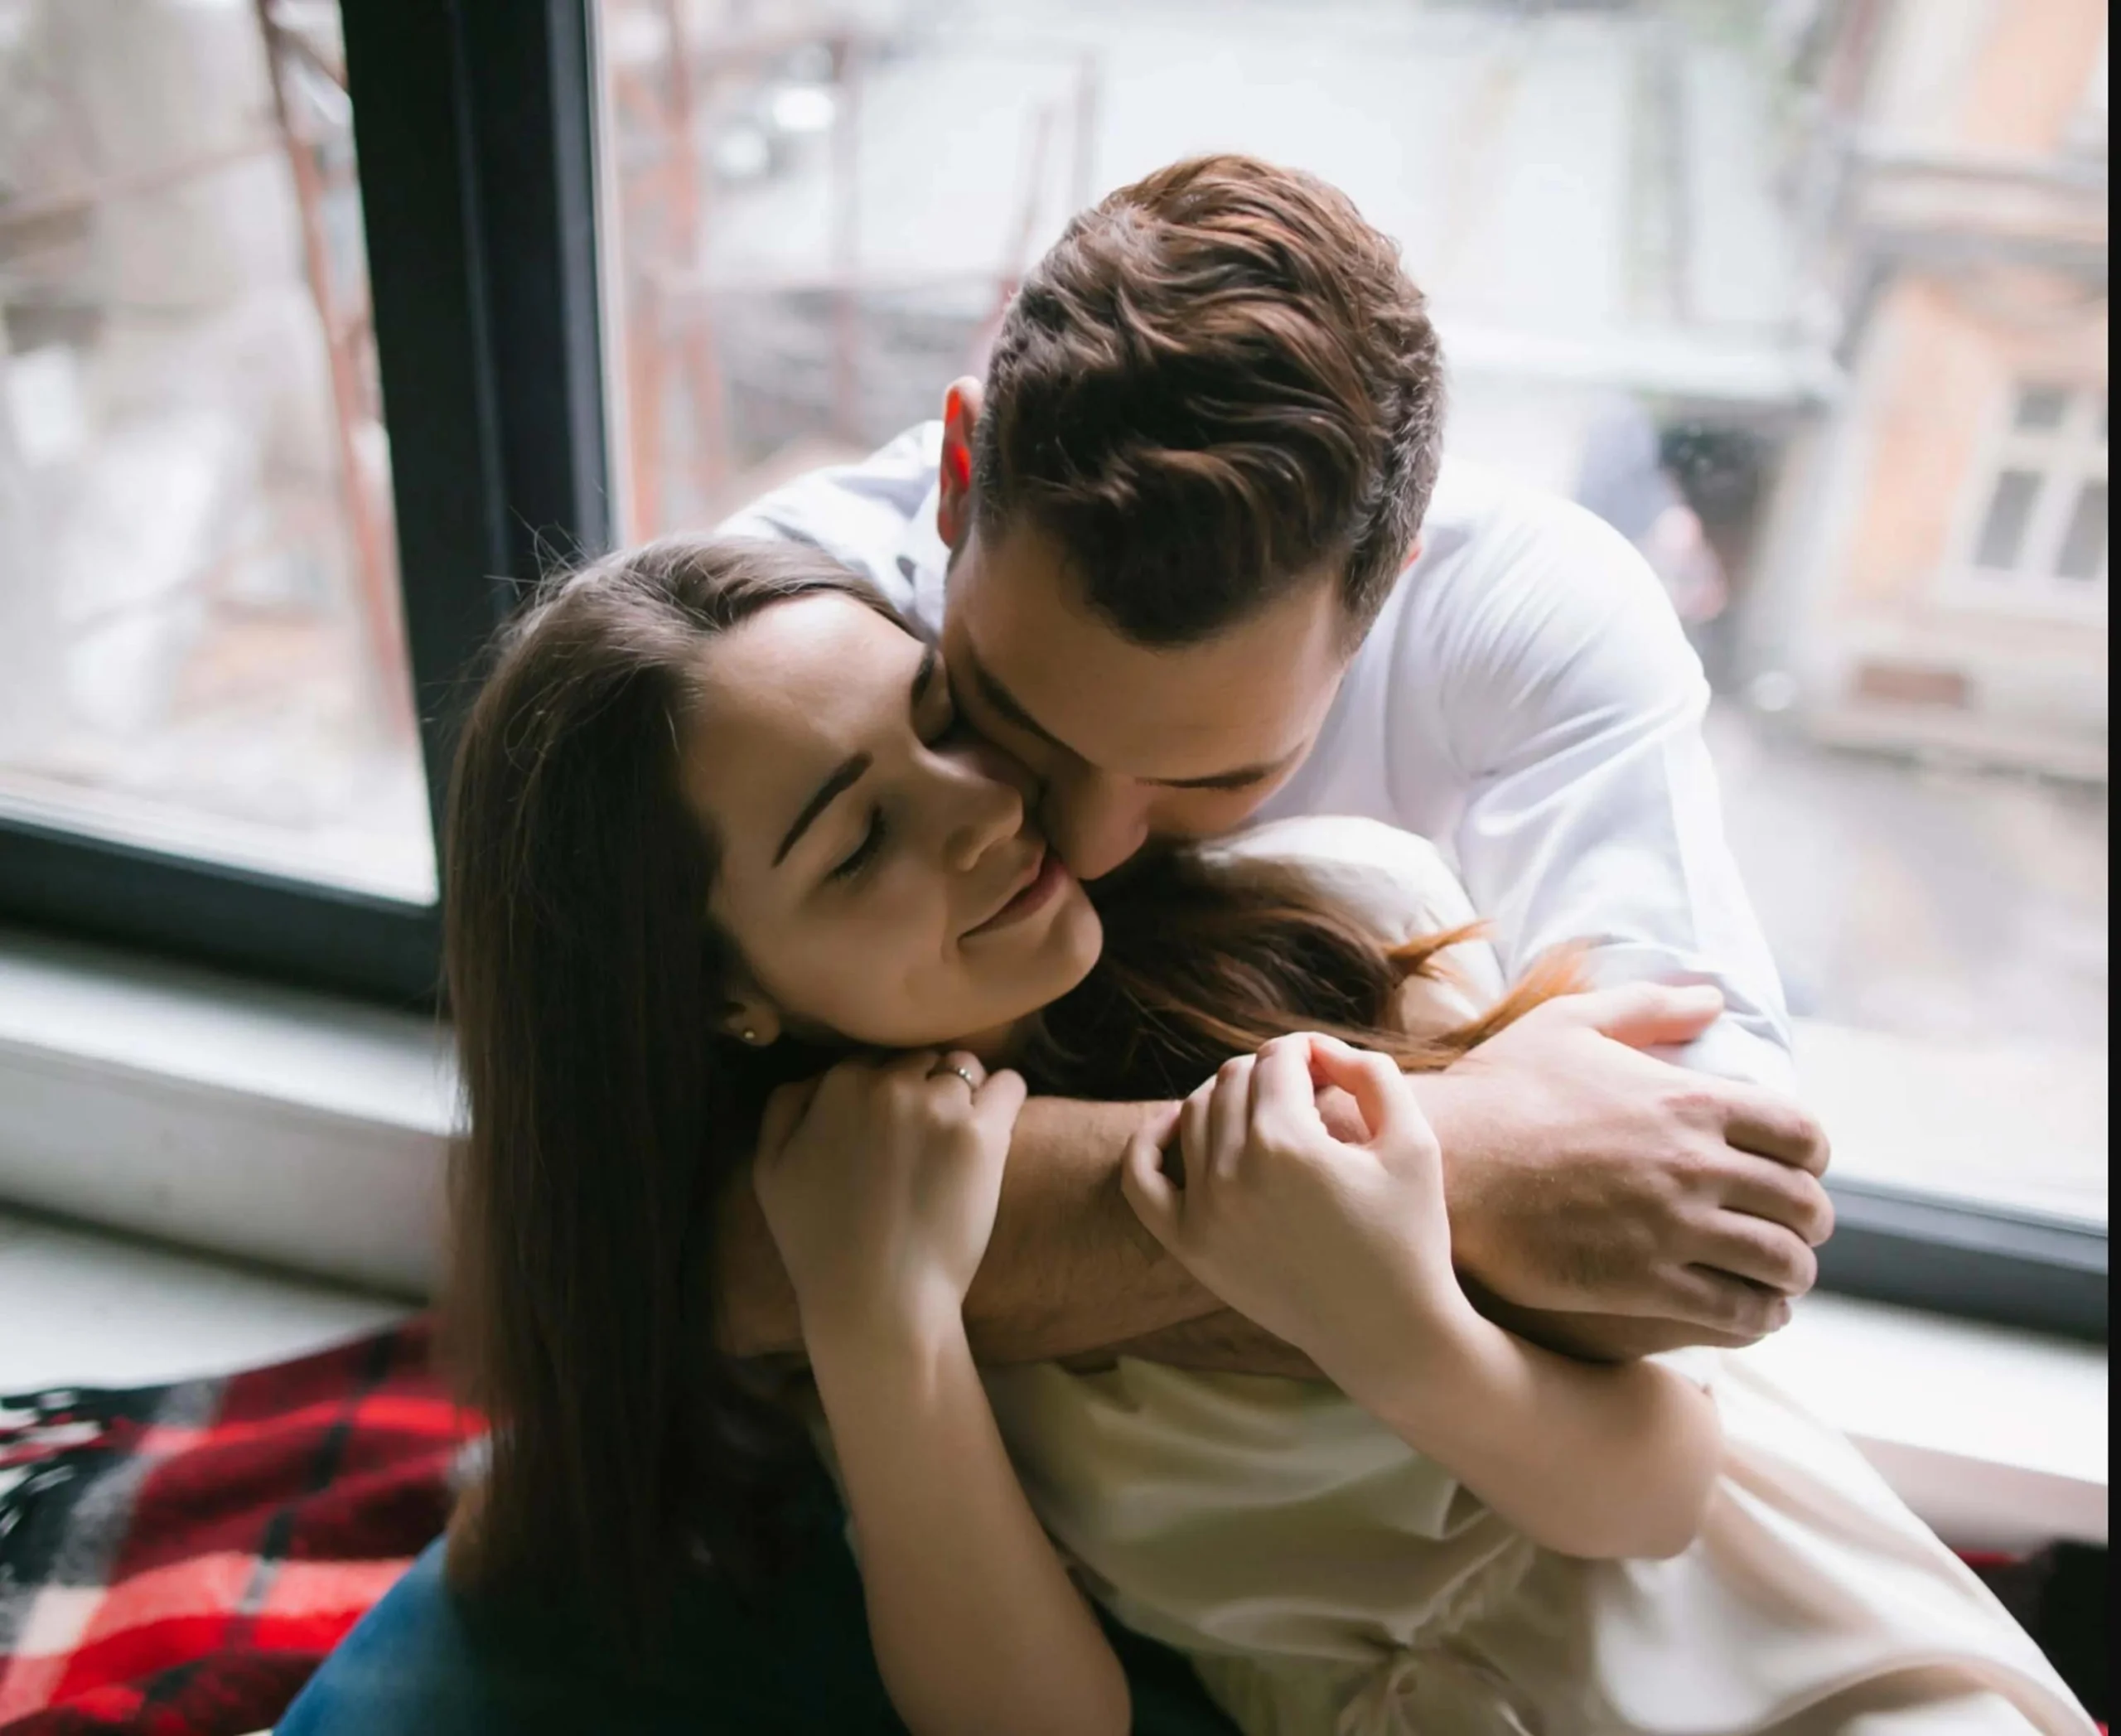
(1587, 1178)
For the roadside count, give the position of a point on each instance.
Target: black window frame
(475, 140)
(475, 126)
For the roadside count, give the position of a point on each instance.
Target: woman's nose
(986, 808)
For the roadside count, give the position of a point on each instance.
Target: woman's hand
(1336, 1246)
(880, 1180)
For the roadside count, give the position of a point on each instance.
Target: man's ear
(961, 407)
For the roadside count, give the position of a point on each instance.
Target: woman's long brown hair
(608, 1111)
(610, 1114)
(1204, 960)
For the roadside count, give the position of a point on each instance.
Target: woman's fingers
(959, 1066)
(996, 1103)
(1229, 1114)
(1284, 1101)
(784, 1110)
(1192, 1126)
(1149, 1191)
(1374, 1080)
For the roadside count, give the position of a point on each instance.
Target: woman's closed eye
(937, 724)
(864, 852)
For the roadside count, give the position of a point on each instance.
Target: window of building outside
(201, 650)
(2041, 534)
(1808, 301)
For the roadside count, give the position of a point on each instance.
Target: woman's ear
(961, 405)
(752, 1020)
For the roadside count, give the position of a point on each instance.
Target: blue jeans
(796, 1660)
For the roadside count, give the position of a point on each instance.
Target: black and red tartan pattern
(180, 1559)
(177, 1560)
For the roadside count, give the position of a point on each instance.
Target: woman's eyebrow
(848, 771)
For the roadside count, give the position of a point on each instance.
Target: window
(204, 653)
(313, 314)
(815, 214)
(269, 456)
(2039, 536)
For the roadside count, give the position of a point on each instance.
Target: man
(1194, 557)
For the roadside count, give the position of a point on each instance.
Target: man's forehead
(1246, 700)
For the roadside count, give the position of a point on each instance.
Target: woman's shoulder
(1396, 881)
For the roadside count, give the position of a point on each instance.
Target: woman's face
(879, 872)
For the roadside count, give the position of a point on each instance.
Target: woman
(715, 830)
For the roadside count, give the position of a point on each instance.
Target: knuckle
(1693, 1102)
(1819, 1149)
(1741, 1309)
(1819, 1225)
(1692, 1170)
(1791, 1263)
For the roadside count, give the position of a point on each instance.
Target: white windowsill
(223, 1116)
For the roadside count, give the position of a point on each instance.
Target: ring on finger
(972, 1084)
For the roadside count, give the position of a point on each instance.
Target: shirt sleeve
(1572, 705)
(862, 514)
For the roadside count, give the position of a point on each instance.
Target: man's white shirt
(1525, 700)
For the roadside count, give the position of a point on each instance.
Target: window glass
(2041, 407)
(2084, 547)
(201, 640)
(2002, 533)
(1853, 419)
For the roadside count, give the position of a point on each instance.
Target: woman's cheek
(880, 965)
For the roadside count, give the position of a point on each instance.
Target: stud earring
(750, 1035)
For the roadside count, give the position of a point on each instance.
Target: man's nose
(1095, 822)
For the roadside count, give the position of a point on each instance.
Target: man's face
(1129, 742)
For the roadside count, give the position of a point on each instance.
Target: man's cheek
(1205, 814)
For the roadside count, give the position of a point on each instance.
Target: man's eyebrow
(1004, 701)
(1242, 778)
(1000, 699)
(848, 771)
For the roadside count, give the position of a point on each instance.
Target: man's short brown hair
(1219, 382)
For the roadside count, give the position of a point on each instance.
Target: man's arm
(1573, 707)
(1613, 1184)
(1070, 1273)
(1069, 1268)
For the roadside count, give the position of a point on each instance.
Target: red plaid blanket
(179, 1559)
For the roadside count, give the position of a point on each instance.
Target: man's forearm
(1071, 1273)
(1223, 1343)
(1069, 1269)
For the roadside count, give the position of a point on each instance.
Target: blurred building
(822, 212)
(1933, 576)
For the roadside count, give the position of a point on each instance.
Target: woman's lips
(1046, 879)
